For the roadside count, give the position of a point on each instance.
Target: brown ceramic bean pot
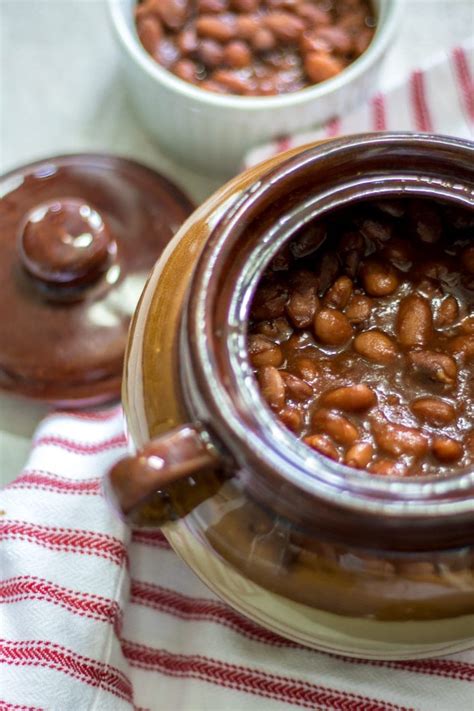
(323, 554)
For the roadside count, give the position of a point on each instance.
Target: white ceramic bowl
(212, 132)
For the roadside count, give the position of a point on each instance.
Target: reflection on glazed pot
(338, 578)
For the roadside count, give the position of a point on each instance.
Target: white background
(61, 91)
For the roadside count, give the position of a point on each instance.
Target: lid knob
(65, 242)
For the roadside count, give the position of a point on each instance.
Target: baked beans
(255, 47)
(362, 337)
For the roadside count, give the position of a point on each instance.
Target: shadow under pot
(331, 556)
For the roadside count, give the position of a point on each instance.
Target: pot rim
(213, 345)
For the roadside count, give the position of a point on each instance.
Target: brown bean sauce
(364, 348)
(254, 47)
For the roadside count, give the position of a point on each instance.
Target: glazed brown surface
(151, 394)
(365, 348)
(382, 586)
(254, 47)
(78, 236)
(180, 453)
(312, 491)
(65, 242)
(286, 540)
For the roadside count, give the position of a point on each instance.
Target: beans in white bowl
(211, 131)
(255, 47)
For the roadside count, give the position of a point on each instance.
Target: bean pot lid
(78, 237)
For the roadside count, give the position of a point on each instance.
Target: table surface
(61, 91)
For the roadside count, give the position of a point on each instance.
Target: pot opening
(360, 336)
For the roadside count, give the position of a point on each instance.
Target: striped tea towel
(94, 616)
(435, 99)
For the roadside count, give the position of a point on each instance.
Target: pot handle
(175, 455)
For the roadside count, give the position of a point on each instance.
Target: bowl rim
(385, 29)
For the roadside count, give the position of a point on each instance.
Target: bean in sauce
(363, 341)
(254, 47)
